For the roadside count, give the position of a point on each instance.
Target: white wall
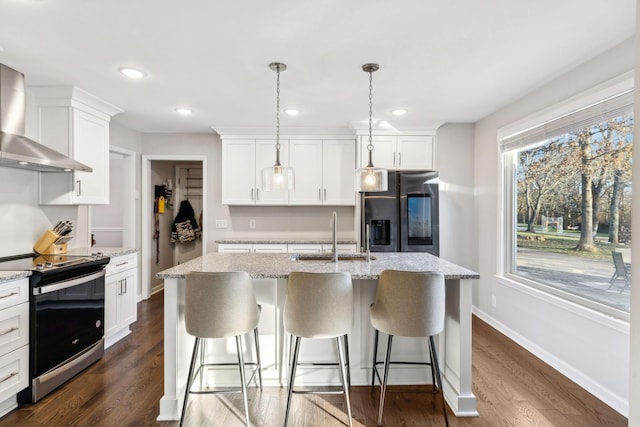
(591, 349)
(454, 162)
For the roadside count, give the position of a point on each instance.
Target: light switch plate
(221, 223)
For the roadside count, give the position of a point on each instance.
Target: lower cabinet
(14, 341)
(120, 310)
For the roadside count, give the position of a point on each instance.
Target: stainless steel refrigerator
(405, 218)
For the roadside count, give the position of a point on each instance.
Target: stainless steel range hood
(16, 150)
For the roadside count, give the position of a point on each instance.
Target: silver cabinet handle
(325, 194)
(125, 286)
(399, 159)
(79, 187)
(8, 295)
(257, 194)
(394, 159)
(8, 331)
(319, 194)
(8, 377)
(252, 194)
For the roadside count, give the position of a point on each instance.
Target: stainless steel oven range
(66, 304)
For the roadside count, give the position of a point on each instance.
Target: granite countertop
(278, 266)
(285, 241)
(110, 252)
(6, 276)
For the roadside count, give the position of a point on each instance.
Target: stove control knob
(99, 254)
(39, 266)
(48, 264)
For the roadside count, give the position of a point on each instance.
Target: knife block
(51, 243)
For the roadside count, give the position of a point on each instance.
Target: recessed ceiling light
(23, 163)
(184, 111)
(132, 72)
(292, 111)
(399, 111)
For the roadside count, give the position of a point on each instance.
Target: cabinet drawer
(305, 248)
(14, 327)
(14, 292)
(122, 263)
(14, 372)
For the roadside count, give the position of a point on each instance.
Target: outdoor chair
(623, 271)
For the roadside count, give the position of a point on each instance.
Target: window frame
(507, 241)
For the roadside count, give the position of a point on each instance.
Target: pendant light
(371, 178)
(277, 177)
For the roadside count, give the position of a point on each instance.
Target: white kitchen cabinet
(235, 248)
(343, 248)
(305, 248)
(120, 309)
(324, 171)
(270, 248)
(399, 152)
(76, 124)
(259, 248)
(242, 164)
(14, 341)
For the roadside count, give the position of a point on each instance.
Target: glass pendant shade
(276, 178)
(371, 179)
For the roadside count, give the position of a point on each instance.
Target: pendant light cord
(278, 116)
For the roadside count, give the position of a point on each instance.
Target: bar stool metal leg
(432, 346)
(346, 355)
(343, 378)
(292, 376)
(189, 379)
(259, 367)
(242, 378)
(383, 386)
(375, 358)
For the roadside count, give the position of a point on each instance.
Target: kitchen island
(270, 273)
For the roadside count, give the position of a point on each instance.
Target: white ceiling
(443, 60)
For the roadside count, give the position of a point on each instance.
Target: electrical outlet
(252, 224)
(221, 223)
(494, 301)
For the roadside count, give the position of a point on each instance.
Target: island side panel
(177, 349)
(455, 349)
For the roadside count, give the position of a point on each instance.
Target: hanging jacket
(185, 227)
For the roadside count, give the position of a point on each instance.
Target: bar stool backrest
(319, 305)
(409, 304)
(220, 305)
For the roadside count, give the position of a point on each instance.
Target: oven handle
(68, 283)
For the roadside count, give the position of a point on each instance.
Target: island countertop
(278, 266)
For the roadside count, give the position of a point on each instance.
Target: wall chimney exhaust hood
(16, 150)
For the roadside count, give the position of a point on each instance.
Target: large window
(567, 204)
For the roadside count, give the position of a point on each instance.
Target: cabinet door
(415, 152)
(306, 160)
(111, 289)
(266, 157)
(270, 248)
(91, 147)
(384, 151)
(240, 248)
(305, 248)
(339, 162)
(128, 286)
(238, 172)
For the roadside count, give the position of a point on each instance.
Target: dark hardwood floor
(513, 389)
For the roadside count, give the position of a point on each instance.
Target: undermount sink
(329, 257)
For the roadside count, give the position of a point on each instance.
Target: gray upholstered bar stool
(318, 305)
(220, 305)
(408, 304)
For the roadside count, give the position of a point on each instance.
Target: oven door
(68, 319)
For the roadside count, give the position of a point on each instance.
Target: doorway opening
(158, 253)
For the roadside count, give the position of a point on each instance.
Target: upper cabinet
(242, 164)
(324, 172)
(76, 124)
(323, 169)
(400, 152)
